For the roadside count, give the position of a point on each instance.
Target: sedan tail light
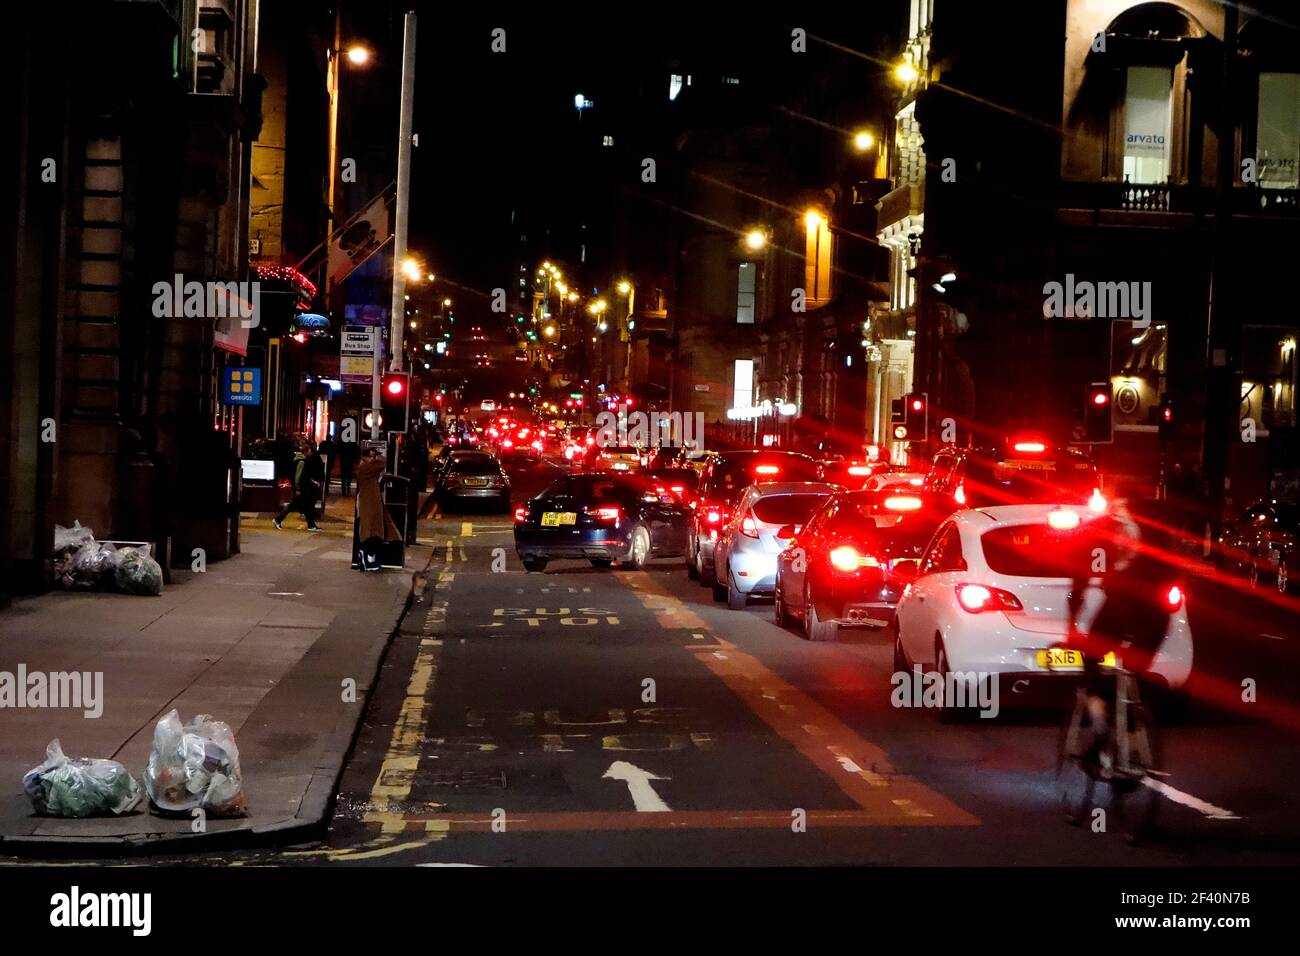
(713, 516)
(979, 597)
(1097, 503)
(749, 528)
(606, 514)
(1173, 597)
(959, 495)
(767, 470)
(521, 514)
(847, 558)
(860, 470)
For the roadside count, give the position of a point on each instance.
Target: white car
(983, 601)
(746, 551)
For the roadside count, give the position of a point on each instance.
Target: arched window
(1147, 49)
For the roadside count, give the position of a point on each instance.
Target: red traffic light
(395, 386)
(1100, 398)
(1167, 413)
(917, 404)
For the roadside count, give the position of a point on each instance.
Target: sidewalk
(263, 640)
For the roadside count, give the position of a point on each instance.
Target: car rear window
(1035, 551)
(474, 466)
(786, 509)
(733, 476)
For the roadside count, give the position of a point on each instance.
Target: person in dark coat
(307, 477)
(347, 451)
(329, 450)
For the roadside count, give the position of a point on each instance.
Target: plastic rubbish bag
(137, 573)
(80, 786)
(91, 563)
(70, 539)
(195, 766)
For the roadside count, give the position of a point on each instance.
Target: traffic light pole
(397, 313)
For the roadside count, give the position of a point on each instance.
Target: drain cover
(468, 779)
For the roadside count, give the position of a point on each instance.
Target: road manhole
(468, 779)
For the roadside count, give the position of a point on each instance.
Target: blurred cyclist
(1134, 616)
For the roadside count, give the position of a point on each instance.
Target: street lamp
(624, 287)
(813, 219)
(863, 140)
(358, 55)
(756, 239)
(906, 72)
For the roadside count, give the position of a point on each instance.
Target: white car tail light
(978, 597)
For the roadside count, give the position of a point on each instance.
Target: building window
(607, 140)
(747, 275)
(817, 258)
(674, 86)
(1277, 133)
(742, 389)
(1146, 124)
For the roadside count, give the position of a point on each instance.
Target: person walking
(373, 525)
(347, 451)
(329, 450)
(307, 475)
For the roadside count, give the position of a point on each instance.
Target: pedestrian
(347, 451)
(374, 527)
(307, 477)
(329, 450)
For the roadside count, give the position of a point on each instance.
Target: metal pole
(397, 314)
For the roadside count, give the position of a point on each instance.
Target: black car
(473, 479)
(603, 517)
(1027, 470)
(840, 568)
(683, 483)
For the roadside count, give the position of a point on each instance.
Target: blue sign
(241, 386)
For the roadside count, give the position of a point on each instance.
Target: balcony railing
(1147, 197)
(1245, 200)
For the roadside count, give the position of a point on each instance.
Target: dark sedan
(602, 517)
(843, 567)
(473, 479)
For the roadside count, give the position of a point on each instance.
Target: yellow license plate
(553, 519)
(1060, 659)
(476, 482)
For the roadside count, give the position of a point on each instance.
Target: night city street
(852, 450)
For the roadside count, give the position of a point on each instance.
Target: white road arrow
(644, 797)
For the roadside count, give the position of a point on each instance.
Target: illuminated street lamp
(756, 239)
(813, 219)
(624, 287)
(863, 140)
(906, 72)
(446, 303)
(411, 269)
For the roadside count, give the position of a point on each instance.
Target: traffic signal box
(395, 400)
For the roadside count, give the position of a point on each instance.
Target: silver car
(766, 516)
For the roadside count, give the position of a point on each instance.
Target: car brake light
(902, 503)
(537, 445)
(607, 514)
(959, 495)
(507, 444)
(767, 470)
(1063, 520)
(1174, 597)
(847, 558)
(677, 489)
(749, 528)
(1030, 447)
(590, 440)
(1097, 502)
(859, 470)
(713, 516)
(976, 598)
(521, 514)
